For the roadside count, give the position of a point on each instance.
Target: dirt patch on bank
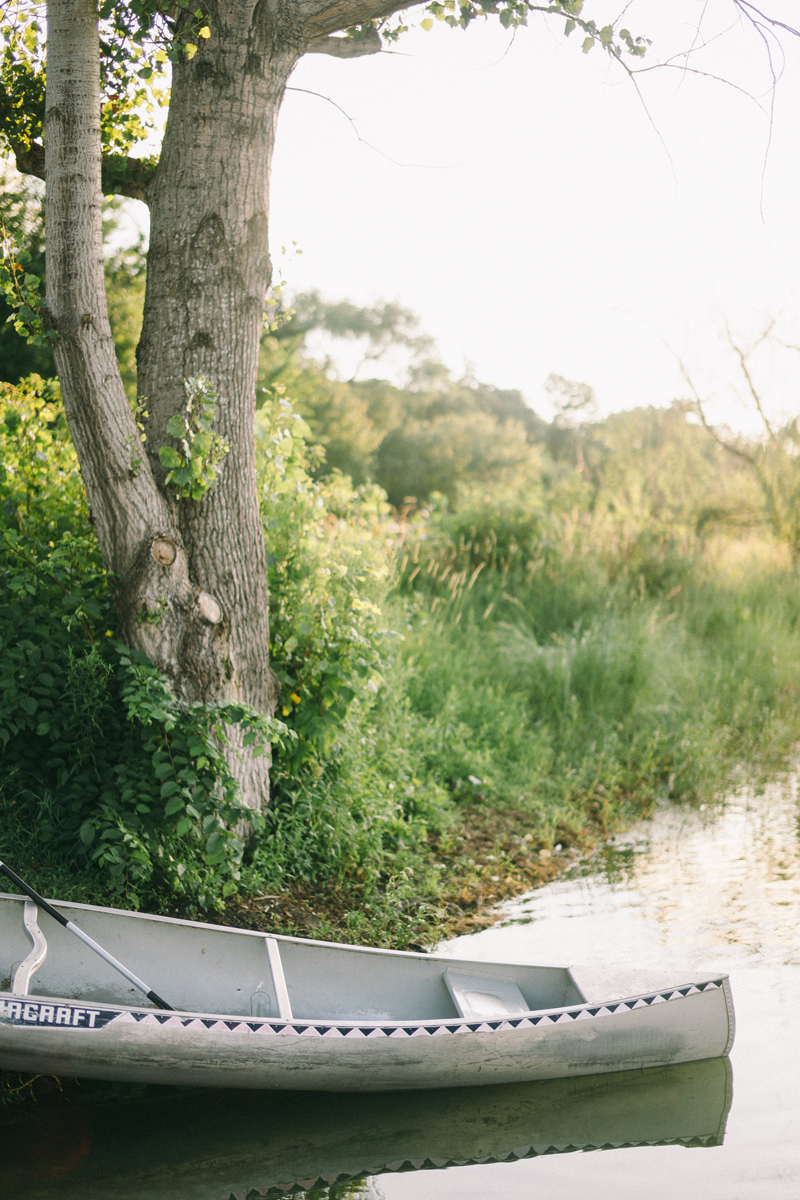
(490, 857)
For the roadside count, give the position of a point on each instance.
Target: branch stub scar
(164, 551)
(209, 608)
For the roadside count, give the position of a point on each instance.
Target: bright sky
(516, 194)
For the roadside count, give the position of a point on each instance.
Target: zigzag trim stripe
(312, 1029)
(437, 1164)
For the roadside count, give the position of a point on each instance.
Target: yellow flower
(205, 32)
(190, 50)
(295, 698)
(286, 711)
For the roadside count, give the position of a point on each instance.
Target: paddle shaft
(90, 942)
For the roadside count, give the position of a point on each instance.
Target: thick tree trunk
(208, 274)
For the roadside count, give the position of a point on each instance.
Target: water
(695, 889)
(714, 890)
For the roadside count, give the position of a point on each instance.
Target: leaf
(427, 24)
(174, 805)
(588, 42)
(183, 826)
(215, 843)
(87, 832)
(175, 426)
(169, 457)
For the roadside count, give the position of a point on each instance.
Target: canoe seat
(480, 996)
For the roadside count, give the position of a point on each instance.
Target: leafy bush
(329, 557)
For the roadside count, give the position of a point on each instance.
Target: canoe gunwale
(322, 1025)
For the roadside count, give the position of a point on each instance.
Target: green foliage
(328, 572)
(22, 79)
(41, 491)
(22, 220)
(433, 436)
(22, 290)
(125, 271)
(136, 40)
(129, 780)
(195, 469)
(512, 13)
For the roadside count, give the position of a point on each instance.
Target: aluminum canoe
(257, 1010)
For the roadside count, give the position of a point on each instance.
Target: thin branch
(346, 115)
(743, 357)
(746, 8)
(710, 429)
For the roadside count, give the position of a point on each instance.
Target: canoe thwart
(278, 979)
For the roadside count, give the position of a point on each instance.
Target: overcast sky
(521, 198)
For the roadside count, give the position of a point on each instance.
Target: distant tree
(773, 460)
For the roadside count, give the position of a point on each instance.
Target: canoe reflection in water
(172, 1144)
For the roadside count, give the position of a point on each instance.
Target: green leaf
(183, 826)
(169, 457)
(175, 426)
(174, 805)
(87, 832)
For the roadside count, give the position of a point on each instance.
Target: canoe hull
(137, 1045)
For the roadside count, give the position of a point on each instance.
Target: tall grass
(587, 686)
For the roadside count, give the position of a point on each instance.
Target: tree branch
(347, 47)
(743, 357)
(331, 16)
(121, 176)
(710, 430)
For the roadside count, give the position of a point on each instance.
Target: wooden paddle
(90, 942)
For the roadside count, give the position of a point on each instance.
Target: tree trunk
(191, 588)
(207, 277)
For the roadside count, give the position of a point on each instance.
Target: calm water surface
(717, 890)
(708, 890)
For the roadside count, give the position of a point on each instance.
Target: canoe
(214, 1145)
(257, 1010)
